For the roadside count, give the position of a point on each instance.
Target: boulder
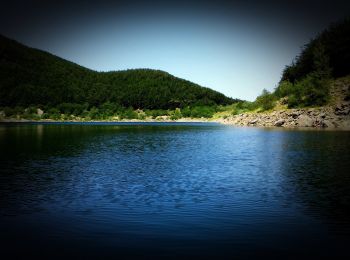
(326, 123)
(39, 112)
(295, 114)
(340, 111)
(305, 121)
(254, 121)
(322, 115)
(279, 122)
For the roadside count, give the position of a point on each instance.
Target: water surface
(173, 191)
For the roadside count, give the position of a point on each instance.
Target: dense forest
(30, 77)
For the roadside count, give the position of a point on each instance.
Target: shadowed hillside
(32, 77)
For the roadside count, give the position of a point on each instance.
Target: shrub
(9, 111)
(94, 113)
(285, 88)
(202, 111)
(129, 113)
(176, 115)
(266, 100)
(313, 90)
(53, 113)
(186, 112)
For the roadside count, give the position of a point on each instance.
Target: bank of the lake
(324, 117)
(335, 115)
(165, 120)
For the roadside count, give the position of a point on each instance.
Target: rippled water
(173, 191)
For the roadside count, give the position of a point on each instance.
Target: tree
(265, 100)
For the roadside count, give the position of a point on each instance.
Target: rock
(279, 122)
(2, 114)
(322, 115)
(342, 109)
(305, 121)
(253, 122)
(326, 123)
(294, 114)
(39, 112)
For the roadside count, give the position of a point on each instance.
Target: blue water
(170, 191)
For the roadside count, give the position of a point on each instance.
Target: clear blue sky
(237, 48)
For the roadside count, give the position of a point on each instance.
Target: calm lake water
(173, 191)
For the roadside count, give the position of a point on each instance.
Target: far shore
(182, 120)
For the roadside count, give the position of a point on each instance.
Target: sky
(235, 47)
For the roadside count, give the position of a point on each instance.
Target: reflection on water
(197, 190)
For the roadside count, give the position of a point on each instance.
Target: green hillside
(306, 82)
(328, 53)
(32, 77)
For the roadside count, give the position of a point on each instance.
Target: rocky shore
(335, 115)
(320, 117)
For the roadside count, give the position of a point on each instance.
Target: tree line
(32, 77)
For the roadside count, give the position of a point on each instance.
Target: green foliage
(176, 115)
(266, 100)
(156, 112)
(202, 111)
(311, 91)
(186, 112)
(32, 77)
(94, 113)
(306, 81)
(237, 108)
(284, 89)
(128, 113)
(328, 54)
(53, 113)
(246, 106)
(10, 112)
(72, 108)
(141, 116)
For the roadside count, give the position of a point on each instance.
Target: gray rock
(254, 121)
(342, 110)
(39, 112)
(322, 115)
(279, 122)
(295, 114)
(326, 123)
(305, 121)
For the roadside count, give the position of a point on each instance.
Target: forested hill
(328, 53)
(306, 82)
(32, 77)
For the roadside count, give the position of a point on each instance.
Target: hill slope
(329, 52)
(32, 77)
(314, 90)
(306, 82)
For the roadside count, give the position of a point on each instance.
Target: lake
(173, 190)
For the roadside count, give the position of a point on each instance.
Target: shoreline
(321, 118)
(183, 120)
(227, 121)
